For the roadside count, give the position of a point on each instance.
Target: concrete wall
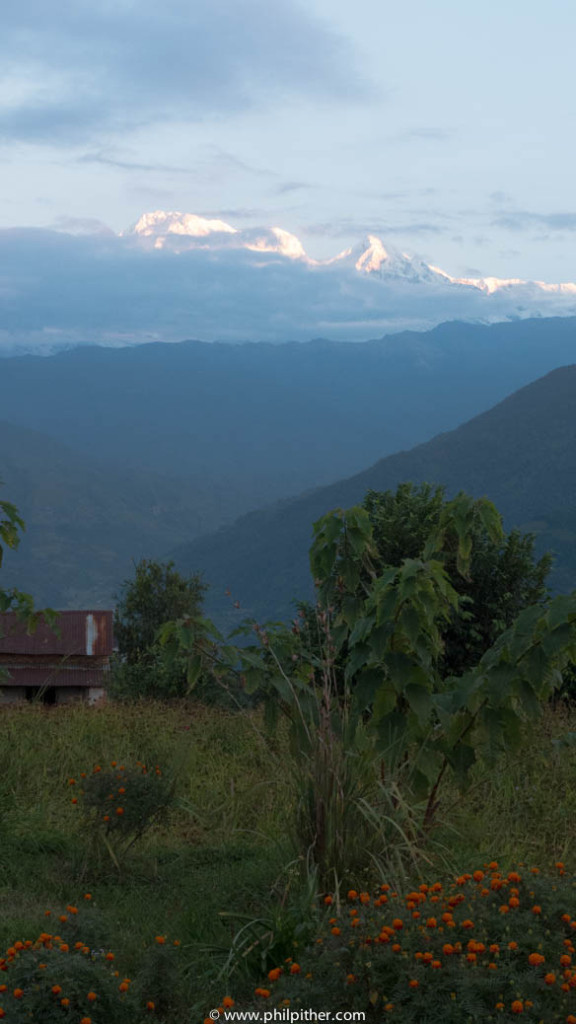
(12, 694)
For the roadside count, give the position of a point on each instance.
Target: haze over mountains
(520, 454)
(117, 454)
(176, 275)
(262, 422)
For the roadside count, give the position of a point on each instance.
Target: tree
(502, 579)
(377, 691)
(155, 595)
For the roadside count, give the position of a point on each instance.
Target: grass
(221, 857)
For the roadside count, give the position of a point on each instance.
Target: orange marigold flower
(499, 1006)
(431, 922)
(123, 987)
(414, 983)
(160, 940)
(364, 897)
(71, 782)
(109, 956)
(56, 990)
(227, 1002)
(550, 978)
(152, 1006)
(18, 993)
(513, 876)
(264, 993)
(350, 979)
(74, 801)
(517, 1006)
(535, 959)
(448, 949)
(335, 931)
(87, 895)
(328, 900)
(536, 910)
(467, 923)
(295, 968)
(390, 1006)
(512, 945)
(513, 902)
(64, 947)
(65, 1001)
(355, 922)
(478, 876)
(119, 811)
(274, 974)
(492, 967)
(86, 1020)
(71, 909)
(91, 997)
(397, 924)
(352, 894)
(436, 964)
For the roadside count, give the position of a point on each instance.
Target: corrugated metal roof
(26, 676)
(81, 633)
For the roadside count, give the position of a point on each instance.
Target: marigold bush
(60, 976)
(122, 803)
(490, 946)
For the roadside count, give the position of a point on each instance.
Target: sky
(445, 128)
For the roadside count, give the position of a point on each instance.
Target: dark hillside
(85, 522)
(521, 454)
(268, 421)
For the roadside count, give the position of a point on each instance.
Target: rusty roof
(87, 633)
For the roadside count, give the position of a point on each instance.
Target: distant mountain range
(115, 454)
(86, 522)
(177, 275)
(520, 454)
(259, 422)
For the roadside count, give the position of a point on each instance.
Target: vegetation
(159, 859)
(156, 594)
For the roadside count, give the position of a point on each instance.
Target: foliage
(64, 972)
(156, 594)
(503, 577)
(490, 946)
(370, 698)
(121, 804)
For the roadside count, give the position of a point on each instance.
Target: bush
(121, 804)
(488, 947)
(66, 976)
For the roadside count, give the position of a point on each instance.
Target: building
(56, 666)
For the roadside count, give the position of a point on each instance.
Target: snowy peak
(180, 232)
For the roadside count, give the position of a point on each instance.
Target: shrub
(491, 946)
(120, 804)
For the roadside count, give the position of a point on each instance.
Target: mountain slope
(264, 422)
(86, 523)
(520, 454)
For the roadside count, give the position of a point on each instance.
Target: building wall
(12, 694)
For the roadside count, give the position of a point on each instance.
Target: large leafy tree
(378, 686)
(503, 576)
(156, 594)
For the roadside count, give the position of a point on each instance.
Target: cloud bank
(70, 287)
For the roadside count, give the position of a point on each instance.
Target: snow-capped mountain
(176, 275)
(184, 231)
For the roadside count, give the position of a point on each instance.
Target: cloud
(67, 289)
(77, 68)
(525, 220)
(344, 228)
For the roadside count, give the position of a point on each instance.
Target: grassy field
(223, 857)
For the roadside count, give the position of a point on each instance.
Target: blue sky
(446, 128)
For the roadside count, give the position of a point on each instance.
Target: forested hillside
(86, 522)
(520, 454)
(263, 422)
